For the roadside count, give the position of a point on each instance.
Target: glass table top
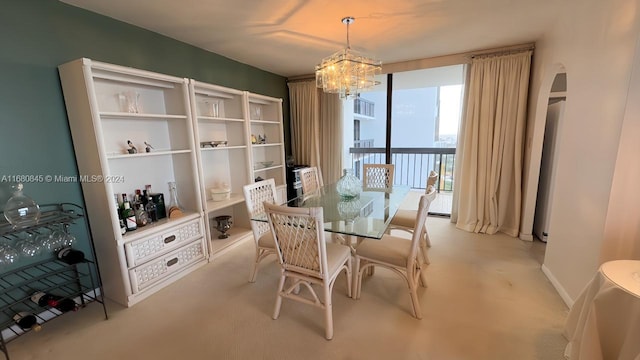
(365, 216)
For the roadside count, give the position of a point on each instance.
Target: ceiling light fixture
(347, 72)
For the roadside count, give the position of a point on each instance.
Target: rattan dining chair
(306, 259)
(396, 254)
(405, 220)
(255, 195)
(377, 176)
(310, 181)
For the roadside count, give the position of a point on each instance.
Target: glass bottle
(129, 217)
(20, 210)
(348, 186)
(175, 210)
(27, 321)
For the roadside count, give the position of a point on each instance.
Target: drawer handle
(169, 239)
(172, 262)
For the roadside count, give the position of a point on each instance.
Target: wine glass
(8, 255)
(68, 239)
(46, 242)
(58, 237)
(27, 246)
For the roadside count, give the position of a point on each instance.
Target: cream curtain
(490, 158)
(316, 129)
(331, 139)
(305, 120)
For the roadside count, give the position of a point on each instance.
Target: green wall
(38, 35)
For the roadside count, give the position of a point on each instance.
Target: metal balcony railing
(363, 107)
(367, 143)
(412, 165)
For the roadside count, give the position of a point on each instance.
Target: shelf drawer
(140, 251)
(150, 273)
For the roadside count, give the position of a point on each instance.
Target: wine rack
(79, 282)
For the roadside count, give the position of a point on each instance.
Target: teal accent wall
(38, 35)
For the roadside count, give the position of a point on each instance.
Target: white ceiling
(289, 37)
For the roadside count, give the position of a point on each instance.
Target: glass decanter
(175, 210)
(349, 186)
(20, 210)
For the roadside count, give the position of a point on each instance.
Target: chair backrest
(421, 219)
(432, 179)
(299, 236)
(255, 195)
(377, 176)
(310, 180)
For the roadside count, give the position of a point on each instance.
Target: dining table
(365, 216)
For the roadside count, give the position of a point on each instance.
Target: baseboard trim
(526, 237)
(559, 288)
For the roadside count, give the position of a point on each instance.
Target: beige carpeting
(487, 299)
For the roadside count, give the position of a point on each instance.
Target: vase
(21, 211)
(349, 209)
(349, 186)
(224, 223)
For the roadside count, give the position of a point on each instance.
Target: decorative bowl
(266, 163)
(214, 143)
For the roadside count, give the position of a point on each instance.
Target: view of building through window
(425, 115)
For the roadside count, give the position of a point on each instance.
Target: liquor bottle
(27, 321)
(141, 215)
(70, 256)
(158, 199)
(129, 217)
(150, 207)
(175, 210)
(123, 226)
(62, 304)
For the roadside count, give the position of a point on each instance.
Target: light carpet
(486, 299)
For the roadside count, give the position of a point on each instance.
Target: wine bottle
(27, 321)
(70, 256)
(62, 304)
(129, 217)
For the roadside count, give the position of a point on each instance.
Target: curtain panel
(305, 112)
(489, 164)
(316, 129)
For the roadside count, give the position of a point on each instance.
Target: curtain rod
(502, 51)
(443, 60)
(301, 78)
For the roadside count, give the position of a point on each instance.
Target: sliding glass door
(419, 133)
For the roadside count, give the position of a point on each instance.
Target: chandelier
(347, 72)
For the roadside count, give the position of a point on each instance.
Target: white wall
(595, 41)
(622, 228)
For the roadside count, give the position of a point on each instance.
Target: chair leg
(276, 310)
(328, 311)
(349, 278)
(423, 251)
(426, 238)
(254, 267)
(413, 292)
(355, 293)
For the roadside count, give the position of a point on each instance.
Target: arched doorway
(555, 111)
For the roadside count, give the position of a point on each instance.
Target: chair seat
(390, 249)
(405, 218)
(337, 254)
(266, 241)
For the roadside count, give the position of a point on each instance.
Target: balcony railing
(367, 143)
(363, 107)
(412, 165)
